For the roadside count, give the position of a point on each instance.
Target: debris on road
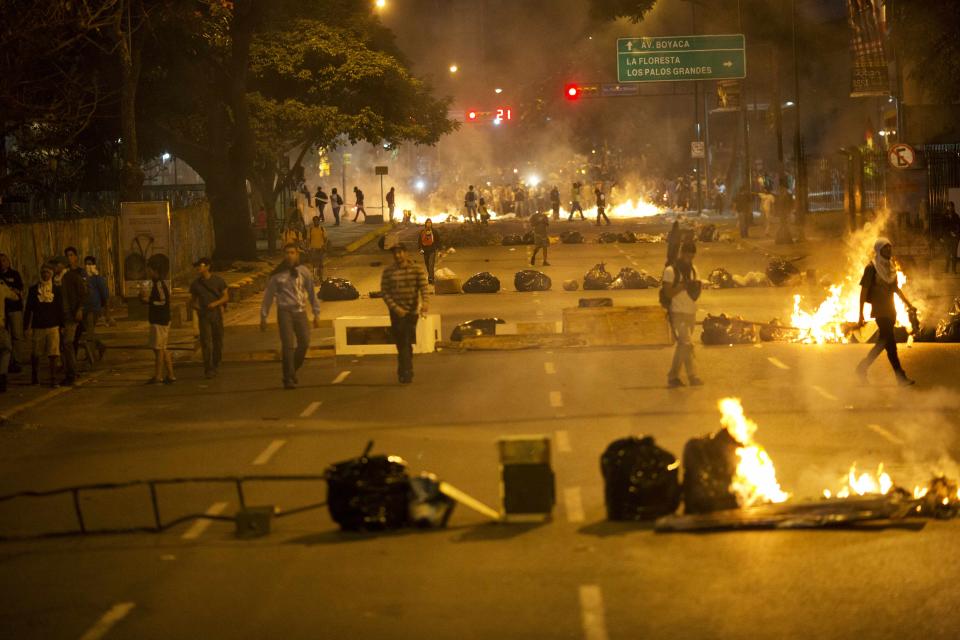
(473, 328)
(483, 282)
(333, 289)
(586, 303)
(597, 279)
(782, 272)
(571, 237)
(630, 278)
(724, 330)
(570, 285)
(531, 280)
(641, 480)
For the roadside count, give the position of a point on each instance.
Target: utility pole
(801, 177)
(743, 111)
(696, 116)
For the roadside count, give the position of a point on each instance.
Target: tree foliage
(634, 10)
(925, 35)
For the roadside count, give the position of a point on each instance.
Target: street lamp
(498, 90)
(454, 68)
(380, 4)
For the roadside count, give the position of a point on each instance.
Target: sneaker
(673, 383)
(289, 385)
(546, 264)
(695, 381)
(154, 381)
(169, 380)
(209, 375)
(862, 373)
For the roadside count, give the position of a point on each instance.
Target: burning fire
(866, 483)
(841, 307)
(756, 479)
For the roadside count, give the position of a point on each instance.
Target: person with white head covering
(878, 286)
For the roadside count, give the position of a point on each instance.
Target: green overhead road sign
(675, 58)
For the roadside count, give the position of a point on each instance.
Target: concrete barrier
(609, 326)
(370, 335)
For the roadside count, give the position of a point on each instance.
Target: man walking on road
(555, 202)
(336, 201)
(359, 196)
(13, 310)
(98, 295)
(679, 294)
(391, 202)
(470, 203)
(157, 295)
(541, 241)
(42, 317)
(317, 243)
(576, 206)
(209, 296)
(292, 286)
(6, 344)
(878, 286)
(74, 296)
(601, 205)
(429, 243)
(404, 287)
(321, 199)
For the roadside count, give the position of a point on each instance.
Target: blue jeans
(404, 335)
(294, 341)
(210, 324)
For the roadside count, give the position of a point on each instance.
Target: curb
(368, 237)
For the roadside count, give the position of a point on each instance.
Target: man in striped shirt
(404, 288)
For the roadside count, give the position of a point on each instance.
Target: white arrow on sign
(728, 64)
(629, 46)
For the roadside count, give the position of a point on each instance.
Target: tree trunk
(230, 212)
(129, 47)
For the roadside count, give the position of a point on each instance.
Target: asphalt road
(577, 576)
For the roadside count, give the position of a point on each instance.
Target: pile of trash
(724, 330)
(782, 272)
(720, 278)
(375, 493)
(474, 328)
(599, 279)
(531, 280)
(333, 289)
(483, 282)
(571, 237)
(947, 329)
(515, 239)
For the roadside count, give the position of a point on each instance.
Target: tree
(635, 10)
(925, 36)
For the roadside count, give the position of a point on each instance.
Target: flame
(867, 483)
(825, 323)
(756, 478)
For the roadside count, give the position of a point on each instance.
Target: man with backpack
(429, 243)
(209, 298)
(470, 203)
(336, 201)
(601, 205)
(359, 196)
(321, 199)
(679, 294)
(576, 206)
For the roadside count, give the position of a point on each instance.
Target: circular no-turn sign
(901, 156)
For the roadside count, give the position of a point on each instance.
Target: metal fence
(94, 204)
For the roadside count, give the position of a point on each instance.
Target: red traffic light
(572, 92)
(471, 115)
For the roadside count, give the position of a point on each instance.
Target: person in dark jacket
(42, 317)
(878, 286)
(673, 243)
(391, 201)
(13, 309)
(157, 295)
(95, 306)
(429, 243)
(74, 291)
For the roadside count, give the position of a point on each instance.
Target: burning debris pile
(730, 482)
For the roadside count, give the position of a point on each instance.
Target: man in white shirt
(682, 288)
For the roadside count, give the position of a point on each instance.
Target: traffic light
(571, 91)
(472, 115)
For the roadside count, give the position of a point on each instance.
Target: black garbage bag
(570, 285)
(608, 237)
(369, 493)
(628, 237)
(338, 289)
(708, 233)
(629, 278)
(483, 282)
(571, 237)
(531, 280)
(512, 239)
(948, 329)
(721, 278)
(585, 303)
(641, 481)
(428, 507)
(722, 330)
(474, 328)
(652, 282)
(709, 465)
(598, 278)
(775, 331)
(781, 272)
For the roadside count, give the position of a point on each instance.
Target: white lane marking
(549, 368)
(269, 452)
(562, 438)
(311, 409)
(340, 377)
(777, 363)
(591, 612)
(539, 313)
(49, 395)
(886, 434)
(536, 300)
(574, 503)
(823, 392)
(556, 399)
(115, 614)
(199, 526)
